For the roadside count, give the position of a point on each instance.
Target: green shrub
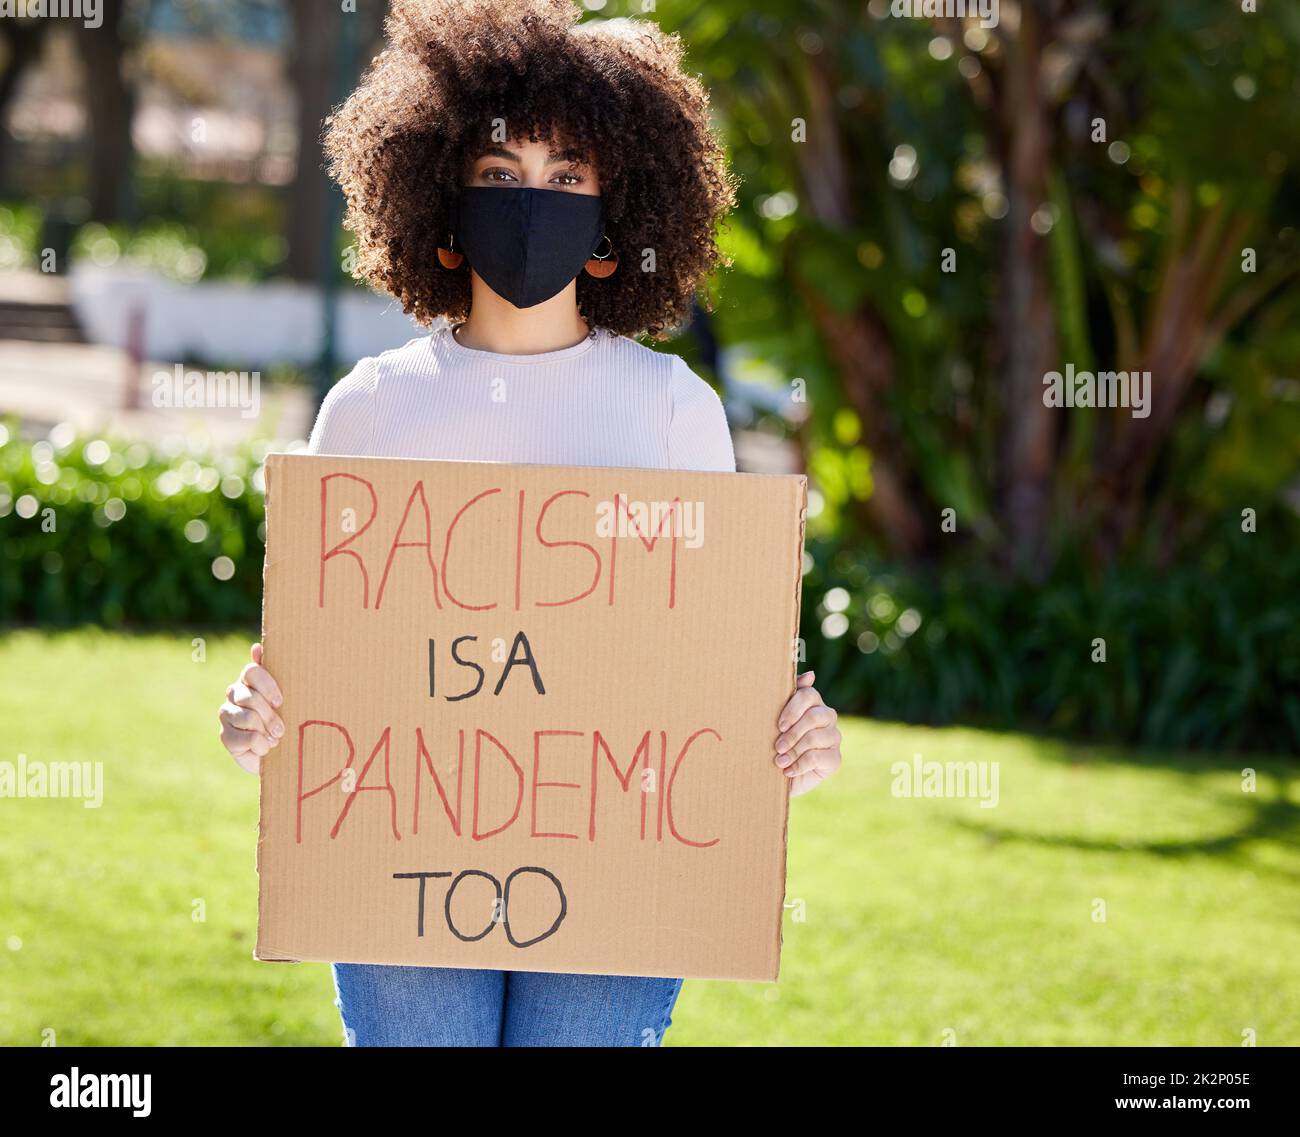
(19, 226)
(167, 249)
(116, 533)
(1204, 655)
(1198, 655)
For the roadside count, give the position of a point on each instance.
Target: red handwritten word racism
(462, 809)
(503, 522)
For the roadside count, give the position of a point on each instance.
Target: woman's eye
(496, 174)
(568, 178)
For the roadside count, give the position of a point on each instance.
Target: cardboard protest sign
(530, 716)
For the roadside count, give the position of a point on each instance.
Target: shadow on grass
(1275, 817)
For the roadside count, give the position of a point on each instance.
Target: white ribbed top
(606, 401)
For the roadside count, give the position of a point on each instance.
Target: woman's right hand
(250, 726)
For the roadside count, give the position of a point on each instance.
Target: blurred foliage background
(934, 215)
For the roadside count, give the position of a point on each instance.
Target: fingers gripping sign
(808, 746)
(250, 724)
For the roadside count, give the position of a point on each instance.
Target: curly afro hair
(609, 92)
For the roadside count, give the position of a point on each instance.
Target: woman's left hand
(808, 747)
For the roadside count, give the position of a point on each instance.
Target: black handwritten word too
(500, 908)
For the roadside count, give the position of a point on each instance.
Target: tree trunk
(859, 346)
(1027, 331)
(316, 28)
(1183, 324)
(23, 47)
(110, 107)
(858, 342)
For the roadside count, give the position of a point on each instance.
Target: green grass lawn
(924, 919)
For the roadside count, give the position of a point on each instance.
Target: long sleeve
(345, 424)
(698, 436)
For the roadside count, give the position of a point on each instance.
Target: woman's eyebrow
(552, 158)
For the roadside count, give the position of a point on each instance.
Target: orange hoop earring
(602, 266)
(448, 257)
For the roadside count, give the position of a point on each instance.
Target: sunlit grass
(921, 916)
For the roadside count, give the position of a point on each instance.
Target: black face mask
(527, 244)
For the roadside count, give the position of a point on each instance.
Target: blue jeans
(385, 1005)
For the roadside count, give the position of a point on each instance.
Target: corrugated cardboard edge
(801, 491)
(261, 951)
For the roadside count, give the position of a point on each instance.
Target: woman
(541, 191)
